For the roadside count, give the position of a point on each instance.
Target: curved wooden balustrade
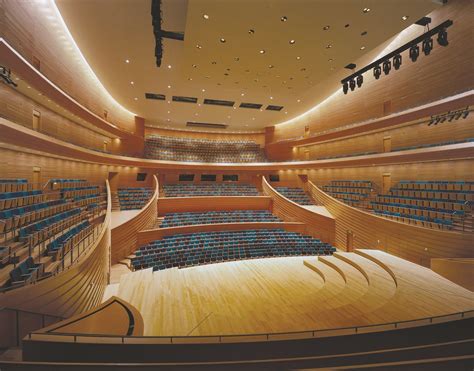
(369, 231)
(125, 236)
(212, 203)
(147, 236)
(17, 135)
(72, 291)
(317, 225)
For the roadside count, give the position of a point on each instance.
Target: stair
(115, 201)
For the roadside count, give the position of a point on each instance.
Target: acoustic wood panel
(409, 242)
(125, 236)
(459, 271)
(212, 203)
(317, 225)
(146, 236)
(75, 290)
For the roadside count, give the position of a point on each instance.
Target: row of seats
(134, 198)
(15, 185)
(20, 198)
(416, 219)
(212, 217)
(295, 194)
(351, 192)
(184, 250)
(203, 189)
(445, 185)
(72, 236)
(202, 150)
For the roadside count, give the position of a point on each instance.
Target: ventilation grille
(155, 96)
(217, 102)
(193, 124)
(274, 108)
(184, 99)
(250, 105)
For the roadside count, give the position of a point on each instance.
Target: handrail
(275, 336)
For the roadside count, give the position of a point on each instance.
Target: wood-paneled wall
(445, 72)
(409, 242)
(75, 290)
(147, 236)
(256, 137)
(124, 236)
(190, 204)
(317, 225)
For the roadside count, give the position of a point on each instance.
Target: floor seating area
(295, 194)
(37, 226)
(352, 192)
(214, 189)
(202, 150)
(183, 250)
(213, 217)
(433, 204)
(134, 198)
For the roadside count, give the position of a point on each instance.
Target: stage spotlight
(427, 46)
(397, 61)
(377, 71)
(345, 87)
(360, 80)
(442, 119)
(352, 84)
(443, 37)
(387, 66)
(465, 114)
(414, 52)
(457, 116)
(431, 121)
(451, 117)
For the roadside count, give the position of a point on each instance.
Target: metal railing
(260, 337)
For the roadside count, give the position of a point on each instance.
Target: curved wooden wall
(212, 203)
(149, 235)
(73, 291)
(125, 236)
(317, 225)
(416, 244)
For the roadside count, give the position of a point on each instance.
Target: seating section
(183, 250)
(468, 140)
(212, 217)
(297, 195)
(352, 192)
(134, 198)
(214, 189)
(37, 224)
(433, 204)
(202, 150)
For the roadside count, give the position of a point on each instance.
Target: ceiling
(286, 74)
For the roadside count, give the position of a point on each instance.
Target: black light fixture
(352, 84)
(414, 53)
(443, 37)
(427, 45)
(465, 113)
(359, 80)
(345, 87)
(387, 66)
(397, 61)
(5, 75)
(377, 72)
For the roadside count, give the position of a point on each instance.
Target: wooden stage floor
(289, 294)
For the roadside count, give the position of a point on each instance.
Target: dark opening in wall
(274, 178)
(186, 177)
(208, 177)
(230, 178)
(141, 177)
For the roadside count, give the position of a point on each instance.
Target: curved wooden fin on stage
(317, 225)
(413, 243)
(125, 236)
(113, 317)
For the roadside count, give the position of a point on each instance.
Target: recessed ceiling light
(253, 118)
(198, 46)
(325, 28)
(328, 46)
(131, 83)
(251, 32)
(236, 59)
(302, 69)
(363, 33)
(405, 17)
(270, 66)
(190, 78)
(346, 25)
(168, 120)
(169, 111)
(292, 41)
(169, 65)
(205, 16)
(242, 94)
(135, 98)
(214, 62)
(194, 65)
(169, 102)
(29, 87)
(169, 86)
(235, 107)
(226, 74)
(284, 18)
(228, 117)
(203, 90)
(298, 100)
(362, 47)
(298, 58)
(271, 97)
(222, 40)
(262, 51)
(366, 10)
(330, 60)
(286, 112)
(127, 61)
(199, 104)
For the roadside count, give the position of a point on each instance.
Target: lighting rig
(5, 75)
(394, 58)
(449, 116)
